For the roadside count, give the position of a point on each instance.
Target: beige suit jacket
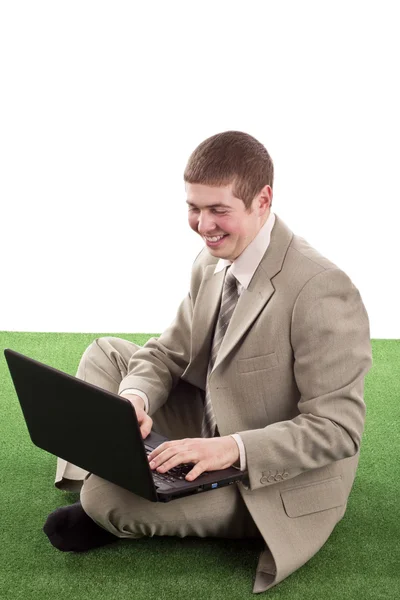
(289, 378)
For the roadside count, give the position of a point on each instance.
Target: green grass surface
(360, 560)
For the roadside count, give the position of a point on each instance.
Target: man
(272, 383)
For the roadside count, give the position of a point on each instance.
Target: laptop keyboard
(172, 475)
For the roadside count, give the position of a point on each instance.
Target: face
(215, 211)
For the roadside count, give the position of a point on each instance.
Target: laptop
(98, 431)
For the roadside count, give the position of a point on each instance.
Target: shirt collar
(243, 268)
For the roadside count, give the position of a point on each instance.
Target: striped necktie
(228, 303)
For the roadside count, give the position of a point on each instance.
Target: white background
(101, 105)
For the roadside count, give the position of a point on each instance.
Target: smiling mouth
(212, 237)
(216, 243)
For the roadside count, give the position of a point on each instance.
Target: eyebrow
(212, 205)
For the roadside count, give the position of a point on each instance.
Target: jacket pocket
(314, 497)
(257, 363)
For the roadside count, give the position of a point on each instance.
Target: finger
(157, 451)
(145, 431)
(146, 428)
(163, 447)
(160, 458)
(197, 470)
(173, 461)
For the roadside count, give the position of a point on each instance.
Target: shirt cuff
(242, 451)
(138, 393)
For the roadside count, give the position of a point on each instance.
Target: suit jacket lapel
(204, 317)
(249, 305)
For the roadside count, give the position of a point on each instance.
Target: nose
(205, 224)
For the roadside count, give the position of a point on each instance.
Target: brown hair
(232, 157)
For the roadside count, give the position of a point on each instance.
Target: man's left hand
(208, 454)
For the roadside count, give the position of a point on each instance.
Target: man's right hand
(145, 421)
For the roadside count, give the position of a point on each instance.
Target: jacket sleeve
(156, 367)
(331, 345)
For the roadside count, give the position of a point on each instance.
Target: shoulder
(304, 266)
(301, 252)
(320, 276)
(307, 261)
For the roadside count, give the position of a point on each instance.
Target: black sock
(70, 529)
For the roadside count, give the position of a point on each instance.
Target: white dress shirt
(243, 268)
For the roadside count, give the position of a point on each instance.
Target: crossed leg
(106, 511)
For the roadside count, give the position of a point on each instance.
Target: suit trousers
(217, 513)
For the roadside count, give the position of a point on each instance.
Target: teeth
(214, 239)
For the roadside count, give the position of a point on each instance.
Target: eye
(214, 210)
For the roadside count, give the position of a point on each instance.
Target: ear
(265, 198)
